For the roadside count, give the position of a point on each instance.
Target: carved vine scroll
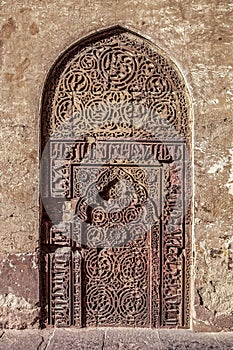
(116, 186)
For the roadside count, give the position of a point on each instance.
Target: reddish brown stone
(224, 322)
(207, 321)
(19, 276)
(19, 291)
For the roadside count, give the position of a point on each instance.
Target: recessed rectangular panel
(126, 235)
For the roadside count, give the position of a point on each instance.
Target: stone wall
(197, 36)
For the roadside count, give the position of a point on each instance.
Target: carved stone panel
(116, 186)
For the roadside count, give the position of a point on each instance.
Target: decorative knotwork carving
(118, 186)
(116, 86)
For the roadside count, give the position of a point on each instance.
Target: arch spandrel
(115, 141)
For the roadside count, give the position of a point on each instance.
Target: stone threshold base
(112, 339)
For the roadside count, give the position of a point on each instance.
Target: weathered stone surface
(16, 312)
(19, 276)
(30, 340)
(182, 339)
(77, 339)
(19, 291)
(198, 36)
(134, 339)
(110, 339)
(225, 340)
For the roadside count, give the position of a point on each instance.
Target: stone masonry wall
(197, 36)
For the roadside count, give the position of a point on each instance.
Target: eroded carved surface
(120, 79)
(117, 189)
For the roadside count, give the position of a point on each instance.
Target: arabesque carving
(118, 189)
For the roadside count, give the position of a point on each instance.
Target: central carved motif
(116, 186)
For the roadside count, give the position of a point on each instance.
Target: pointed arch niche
(115, 186)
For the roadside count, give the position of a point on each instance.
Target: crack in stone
(104, 338)
(160, 340)
(217, 341)
(2, 334)
(49, 341)
(39, 346)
